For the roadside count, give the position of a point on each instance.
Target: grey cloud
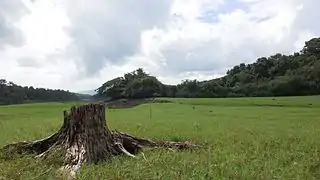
(8, 34)
(209, 56)
(308, 16)
(28, 62)
(109, 31)
(188, 56)
(10, 12)
(305, 21)
(214, 56)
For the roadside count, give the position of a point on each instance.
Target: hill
(11, 93)
(277, 75)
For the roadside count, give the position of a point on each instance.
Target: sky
(77, 45)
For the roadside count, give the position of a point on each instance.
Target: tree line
(277, 75)
(11, 93)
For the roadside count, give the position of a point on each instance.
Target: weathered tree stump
(85, 138)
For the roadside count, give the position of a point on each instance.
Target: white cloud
(109, 31)
(10, 11)
(44, 28)
(78, 45)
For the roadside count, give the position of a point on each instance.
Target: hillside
(277, 75)
(11, 93)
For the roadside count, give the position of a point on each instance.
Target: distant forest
(11, 93)
(277, 75)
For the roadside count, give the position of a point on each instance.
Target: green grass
(244, 138)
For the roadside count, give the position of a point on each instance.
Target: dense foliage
(137, 84)
(277, 75)
(11, 93)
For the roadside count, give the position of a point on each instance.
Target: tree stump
(85, 138)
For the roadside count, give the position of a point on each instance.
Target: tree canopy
(277, 75)
(137, 84)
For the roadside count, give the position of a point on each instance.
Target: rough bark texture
(85, 138)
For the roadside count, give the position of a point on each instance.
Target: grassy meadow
(243, 138)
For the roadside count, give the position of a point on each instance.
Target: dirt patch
(129, 103)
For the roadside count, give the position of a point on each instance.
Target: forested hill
(11, 93)
(277, 75)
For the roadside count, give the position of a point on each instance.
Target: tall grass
(243, 138)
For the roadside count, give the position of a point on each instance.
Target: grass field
(244, 138)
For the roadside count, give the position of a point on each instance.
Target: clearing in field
(242, 138)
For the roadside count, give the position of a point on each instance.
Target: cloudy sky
(79, 44)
